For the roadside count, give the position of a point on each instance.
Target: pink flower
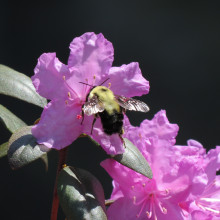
(137, 196)
(90, 61)
(184, 184)
(204, 200)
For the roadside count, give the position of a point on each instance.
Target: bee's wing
(131, 104)
(93, 106)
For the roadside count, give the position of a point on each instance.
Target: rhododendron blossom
(90, 62)
(184, 184)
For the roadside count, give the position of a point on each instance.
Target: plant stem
(55, 204)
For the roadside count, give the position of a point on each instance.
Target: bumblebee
(102, 102)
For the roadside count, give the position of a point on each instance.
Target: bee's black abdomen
(112, 124)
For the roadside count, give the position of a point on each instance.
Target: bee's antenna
(86, 84)
(94, 86)
(104, 82)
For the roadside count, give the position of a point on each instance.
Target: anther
(143, 184)
(167, 191)
(69, 95)
(149, 214)
(79, 116)
(94, 77)
(64, 78)
(109, 85)
(66, 102)
(132, 187)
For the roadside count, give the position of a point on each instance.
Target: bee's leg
(82, 117)
(120, 136)
(94, 120)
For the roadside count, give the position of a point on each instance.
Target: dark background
(176, 44)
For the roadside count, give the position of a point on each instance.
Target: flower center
(150, 202)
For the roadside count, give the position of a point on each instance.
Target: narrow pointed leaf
(133, 159)
(23, 148)
(81, 195)
(11, 121)
(3, 149)
(20, 86)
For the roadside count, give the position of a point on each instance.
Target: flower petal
(112, 144)
(161, 127)
(123, 208)
(129, 76)
(49, 77)
(90, 59)
(58, 126)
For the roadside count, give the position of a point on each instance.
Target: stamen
(64, 78)
(66, 102)
(143, 184)
(210, 186)
(162, 209)
(94, 77)
(210, 199)
(140, 135)
(134, 199)
(109, 85)
(142, 207)
(132, 187)
(208, 209)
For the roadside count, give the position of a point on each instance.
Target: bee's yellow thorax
(106, 97)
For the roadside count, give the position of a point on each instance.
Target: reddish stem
(55, 204)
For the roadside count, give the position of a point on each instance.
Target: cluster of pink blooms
(184, 184)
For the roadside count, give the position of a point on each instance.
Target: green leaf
(11, 121)
(133, 159)
(81, 195)
(23, 148)
(20, 86)
(3, 149)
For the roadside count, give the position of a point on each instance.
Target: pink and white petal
(127, 80)
(58, 126)
(49, 77)
(112, 144)
(90, 59)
